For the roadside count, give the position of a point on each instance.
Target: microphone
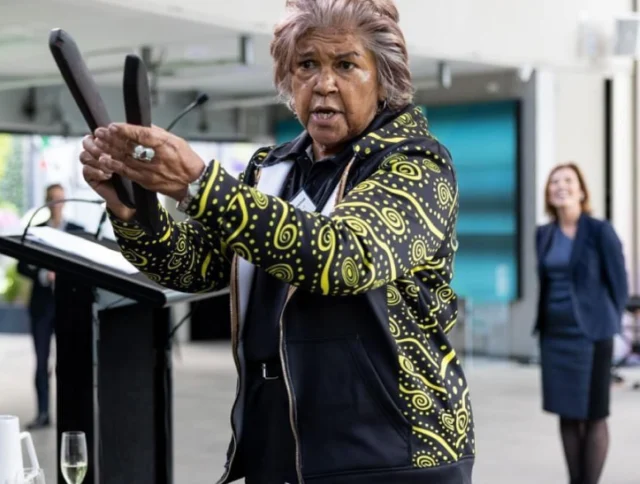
(198, 101)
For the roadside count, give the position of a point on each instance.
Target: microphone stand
(199, 101)
(51, 204)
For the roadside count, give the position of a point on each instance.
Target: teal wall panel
(484, 142)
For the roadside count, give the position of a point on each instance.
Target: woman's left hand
(173, 166)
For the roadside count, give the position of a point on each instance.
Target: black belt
(267, 370)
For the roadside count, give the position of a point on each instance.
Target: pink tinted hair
(375, 21)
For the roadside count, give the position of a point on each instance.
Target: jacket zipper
(234, 345)
(283, 350)
(287, 383)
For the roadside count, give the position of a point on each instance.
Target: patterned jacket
(376, 392)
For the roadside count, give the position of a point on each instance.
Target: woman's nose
(325, 82)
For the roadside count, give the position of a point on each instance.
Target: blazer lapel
(546, 236)
(579, 241)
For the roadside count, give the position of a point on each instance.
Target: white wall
(635, 212)
(624, 176)
(570, 127)
(580, 130)
(544, 135)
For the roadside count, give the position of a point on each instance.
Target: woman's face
(564, 189)
(335, 88)
(56, 194)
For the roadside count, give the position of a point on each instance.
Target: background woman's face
(335, 88)
(564, 189)
(55, 195)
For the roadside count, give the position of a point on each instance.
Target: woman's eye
(346, 65)
(306, 64)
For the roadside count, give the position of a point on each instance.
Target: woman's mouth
(324, 114)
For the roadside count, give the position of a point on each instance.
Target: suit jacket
(598, 277)
(42, 301)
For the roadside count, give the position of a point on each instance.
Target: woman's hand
(99, 178)
(174, 164)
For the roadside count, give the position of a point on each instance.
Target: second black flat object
(137, 104)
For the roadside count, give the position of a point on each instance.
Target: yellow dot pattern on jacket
(394, 229)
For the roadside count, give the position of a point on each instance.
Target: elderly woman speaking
(339, 249)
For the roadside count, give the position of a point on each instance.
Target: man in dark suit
(42, 308)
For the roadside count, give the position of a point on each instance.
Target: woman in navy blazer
(583, 293)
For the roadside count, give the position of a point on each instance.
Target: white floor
(516, 442)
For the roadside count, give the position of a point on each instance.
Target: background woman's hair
(585, 203)
(376, 21)
(50, 188)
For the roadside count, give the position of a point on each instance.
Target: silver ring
(143, 153)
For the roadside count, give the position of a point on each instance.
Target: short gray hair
(376, 21)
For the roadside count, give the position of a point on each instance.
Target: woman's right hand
(99, 178)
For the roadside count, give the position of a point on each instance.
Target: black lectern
(113, 363)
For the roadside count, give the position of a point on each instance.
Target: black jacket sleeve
(614, 267)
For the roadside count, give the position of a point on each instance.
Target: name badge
(303, 202)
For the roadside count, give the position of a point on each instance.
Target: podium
(113, 364)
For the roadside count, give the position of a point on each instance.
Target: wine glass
(73, 457)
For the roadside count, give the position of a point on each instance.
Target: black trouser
(42, 331)
(268, 446)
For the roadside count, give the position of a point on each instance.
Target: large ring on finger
(143, 153)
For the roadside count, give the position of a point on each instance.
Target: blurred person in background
(339, 249)
(42, 308)
(583, 293)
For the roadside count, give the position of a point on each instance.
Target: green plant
(17, 286)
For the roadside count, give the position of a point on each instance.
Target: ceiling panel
(185, 54)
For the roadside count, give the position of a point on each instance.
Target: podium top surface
(135, 286)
